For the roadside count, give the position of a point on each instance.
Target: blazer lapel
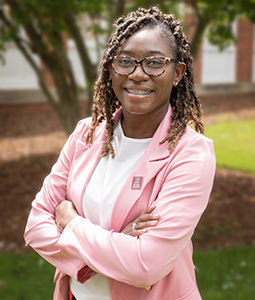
(85, 161)
(83, 166)
(88, 156)
(149, 165)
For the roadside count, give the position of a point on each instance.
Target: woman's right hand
(139, 226)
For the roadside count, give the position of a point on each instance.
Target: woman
(117, 212)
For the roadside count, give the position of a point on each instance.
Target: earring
(175, 84)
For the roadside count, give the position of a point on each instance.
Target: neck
(141, 126)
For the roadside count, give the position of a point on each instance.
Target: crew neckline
(119, 130)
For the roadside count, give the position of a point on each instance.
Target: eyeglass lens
(151, 66)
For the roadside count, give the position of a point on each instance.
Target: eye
(124, 62)
(155, 63)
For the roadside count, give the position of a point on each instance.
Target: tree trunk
(197, 38)
(68, 100)
(89, 69)
(55, 58)
(202, 22)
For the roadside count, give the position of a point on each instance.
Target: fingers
(137, 232)
(145, 224)
(147, 218)
(148, 209)
(141, 224)
(64, 213)
(141, 227)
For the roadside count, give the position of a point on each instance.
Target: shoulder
(83, 127)
(194, 136)
(196, 144)
(194, 155)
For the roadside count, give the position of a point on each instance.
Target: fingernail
(153, 222)
(155, 215)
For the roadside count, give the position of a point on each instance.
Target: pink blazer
(179, 183)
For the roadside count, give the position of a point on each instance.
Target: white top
(99, 199)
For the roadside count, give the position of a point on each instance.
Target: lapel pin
(137, 183)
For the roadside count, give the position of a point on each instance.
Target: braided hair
(184, 101)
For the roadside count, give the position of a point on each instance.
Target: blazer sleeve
(145, 260)
(41, 232)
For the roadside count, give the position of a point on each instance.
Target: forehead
(147, 42)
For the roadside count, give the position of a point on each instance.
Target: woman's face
(139, 93)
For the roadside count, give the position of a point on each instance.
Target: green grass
(234, 144)
(25, 277)
(222, 274)
(226, 274)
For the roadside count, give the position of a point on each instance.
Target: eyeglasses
(152, 66)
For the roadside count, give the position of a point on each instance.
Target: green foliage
(226, 274)
(218, 14)
(25, 276)
(234, 144)
(216, 17)
(221, 35)
(38, 27)
(221, 15)
(221, 274)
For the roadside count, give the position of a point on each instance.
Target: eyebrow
(149, 52)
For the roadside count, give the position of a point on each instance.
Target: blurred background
(50, 53)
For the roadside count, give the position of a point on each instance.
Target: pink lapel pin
(137, 183)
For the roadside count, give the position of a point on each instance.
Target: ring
(133, 226)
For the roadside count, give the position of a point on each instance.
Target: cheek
(166, 85)
(168, 82)
(165, 91)
(116, 82)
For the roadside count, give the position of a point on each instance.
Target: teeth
(138, 92)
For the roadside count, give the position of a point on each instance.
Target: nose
(138, 74)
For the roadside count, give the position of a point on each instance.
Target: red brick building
(235, 64)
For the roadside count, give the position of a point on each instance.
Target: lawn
(226, 274)
(25, 277)
(222, 274)
(234, 144)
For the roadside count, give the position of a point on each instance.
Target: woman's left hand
(140, 225)
(64, 213)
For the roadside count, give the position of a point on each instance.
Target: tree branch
(19, 43)
(87, 65)
(202, 23)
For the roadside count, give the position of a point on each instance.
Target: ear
(179, 72)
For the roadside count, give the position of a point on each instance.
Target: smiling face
(139, 93)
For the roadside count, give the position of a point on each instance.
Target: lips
(138, 92)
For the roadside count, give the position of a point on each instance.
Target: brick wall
(244, 50)
(244, 53)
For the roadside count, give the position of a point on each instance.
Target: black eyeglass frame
(140, 61)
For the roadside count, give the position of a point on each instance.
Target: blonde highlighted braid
(184, 101)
